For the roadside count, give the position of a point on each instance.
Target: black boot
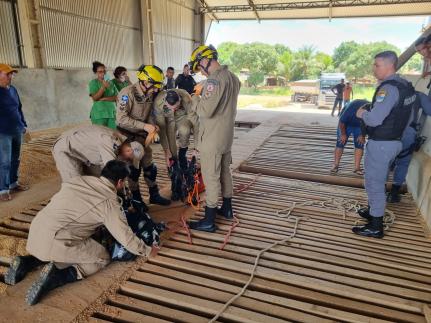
(226, 208)
(207, 223)
(372, 229)
(156, 198)
(50, 278)
(394, 194)
(20, 267)
(182, 158)
(365, 213)
(136, 195)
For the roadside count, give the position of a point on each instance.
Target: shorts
(355, 131)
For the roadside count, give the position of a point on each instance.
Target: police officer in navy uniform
(412, 141)
(385, 122)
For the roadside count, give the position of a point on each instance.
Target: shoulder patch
(124, 98)
(381, 95)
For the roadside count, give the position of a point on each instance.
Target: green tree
(286, 60)
(281, 49)
(225, 51)
(324, 61)
(255, 78)
(343, 52)
(304, 63)
(255, 57)
(414, 64)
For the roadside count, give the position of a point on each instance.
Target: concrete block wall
(54, 98)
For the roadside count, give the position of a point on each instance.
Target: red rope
(229, 233)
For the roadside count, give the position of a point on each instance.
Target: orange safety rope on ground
(229, 233)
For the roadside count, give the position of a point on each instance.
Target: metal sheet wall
(173, 23)
(9, 47)
(75, 33)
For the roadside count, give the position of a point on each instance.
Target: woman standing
(121, 79)
(104, 95)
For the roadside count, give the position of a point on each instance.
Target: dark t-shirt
(185, 82)
(11, 117)
(339, 89)
(348, 115)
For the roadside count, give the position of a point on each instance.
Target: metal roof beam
(304, 5)
(253, 6)
(208, 10)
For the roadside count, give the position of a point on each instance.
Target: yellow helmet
(152, 74)
(201, 52)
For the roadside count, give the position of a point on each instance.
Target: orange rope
(179, 225)
(195, 193)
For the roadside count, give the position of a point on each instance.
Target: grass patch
(365, 92)
(264, 101)
(271, 91)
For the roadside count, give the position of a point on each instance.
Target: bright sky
(325, 35)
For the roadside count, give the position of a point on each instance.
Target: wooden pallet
(326, 273)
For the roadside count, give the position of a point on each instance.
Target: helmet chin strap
(147, 88)
(205, 68)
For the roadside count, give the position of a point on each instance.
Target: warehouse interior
(318, 272)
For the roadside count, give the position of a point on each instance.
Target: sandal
(359, 172)
(19, 188)
(334, 170)
(4, 197)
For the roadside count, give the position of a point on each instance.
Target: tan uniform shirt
(170, 121)
(59, 232)
(93, 145)
(133, 108)
(216, 109)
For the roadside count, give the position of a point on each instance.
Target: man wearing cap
(85, 150)
(172, 111)
(12, 127)
(216, 108)
(134, 120)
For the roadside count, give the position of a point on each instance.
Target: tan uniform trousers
(168, 130)
(216, 175)
(95, 255)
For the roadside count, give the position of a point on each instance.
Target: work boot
(182, 158)
(394, 194)
(364, 212)
(50, 278)
(20, 267)
(207, 223)
(156, 198)
(136, 195)
(226, 208)
(372, 229)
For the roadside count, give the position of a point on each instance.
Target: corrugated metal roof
(291, 9)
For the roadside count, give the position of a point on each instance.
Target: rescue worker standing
(172, 111)
(61, 233)
(216, 109)
(385, 123)
(134, 119)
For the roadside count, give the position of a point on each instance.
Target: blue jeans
(338, 102)
(10, 149)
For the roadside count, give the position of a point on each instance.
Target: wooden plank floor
(305, 149)
(325, 273)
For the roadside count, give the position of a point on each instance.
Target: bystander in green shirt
(120, 85)
(103, 112)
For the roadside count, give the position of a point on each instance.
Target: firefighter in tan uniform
(134, 119)
(216, 109)
(61, 233)
(172, 112)
(85, 150)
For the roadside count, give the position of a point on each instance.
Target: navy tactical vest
(394, 124)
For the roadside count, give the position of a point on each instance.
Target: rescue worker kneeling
(172, 111)
(85, 150)
(61, 233)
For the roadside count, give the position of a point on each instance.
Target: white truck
(316, 91)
